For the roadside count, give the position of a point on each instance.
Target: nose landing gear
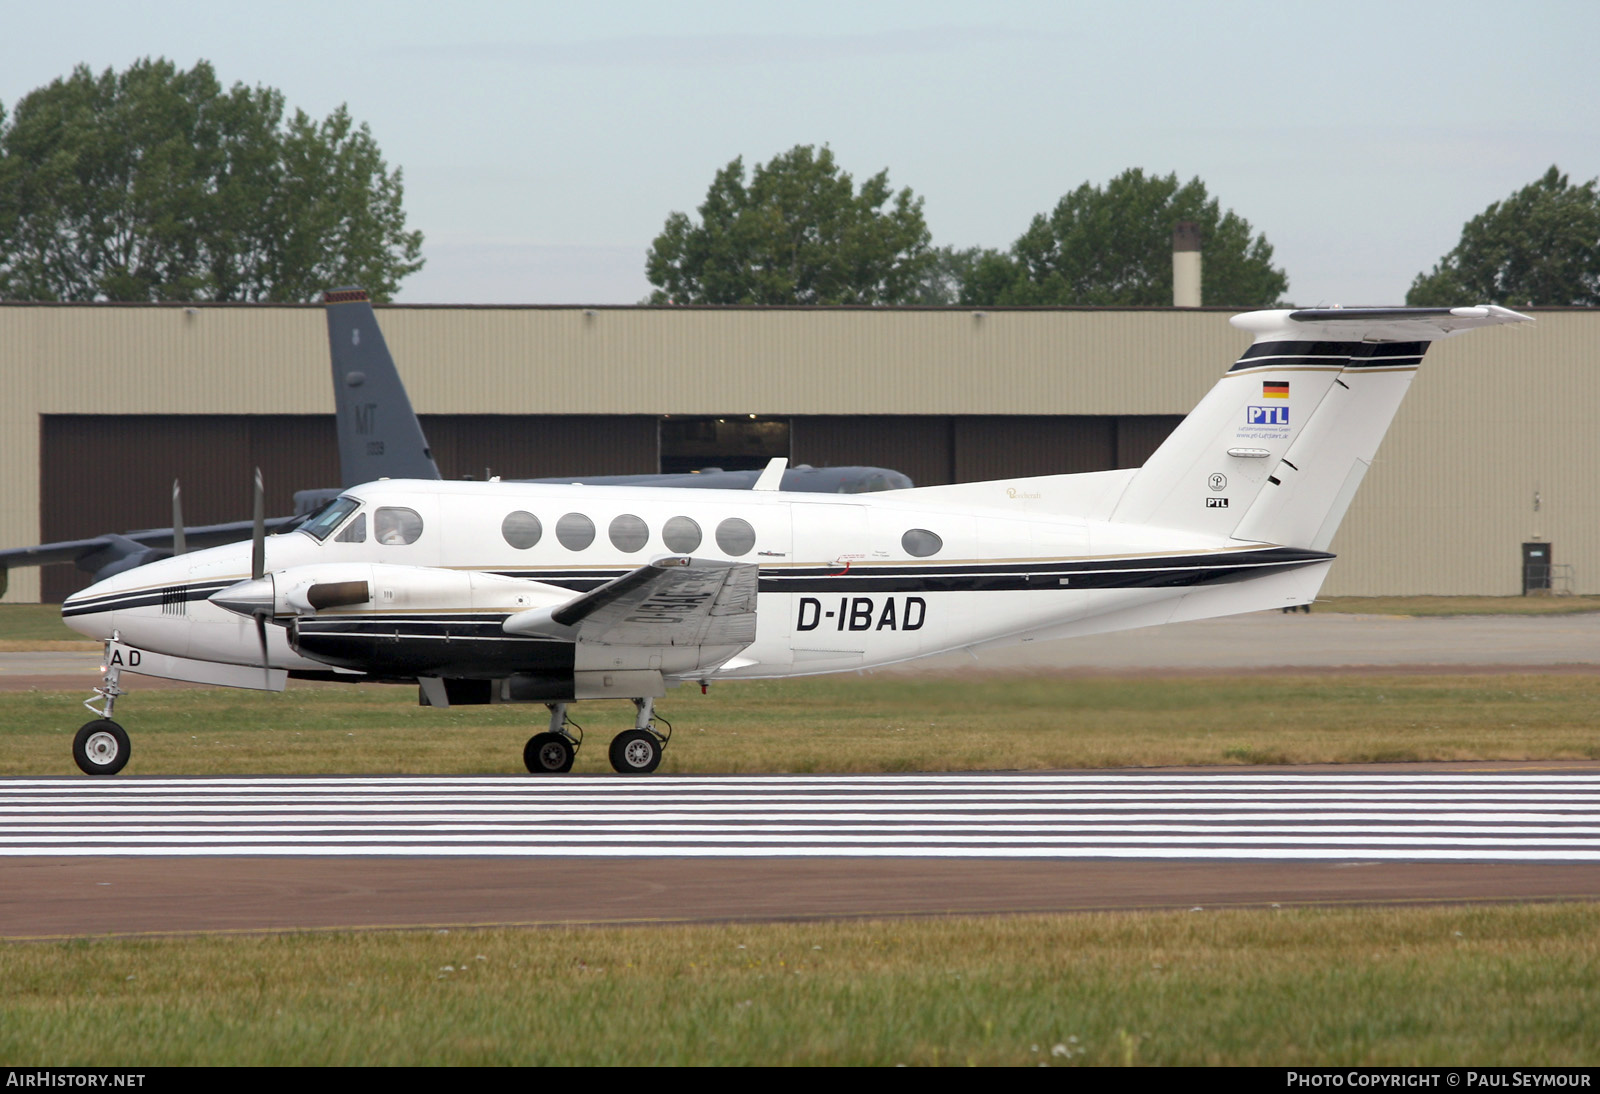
(101, 746)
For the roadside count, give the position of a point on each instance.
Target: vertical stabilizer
(379, 435)
(1274, 453)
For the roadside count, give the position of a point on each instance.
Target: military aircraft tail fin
(379, 435)
(1274, 453)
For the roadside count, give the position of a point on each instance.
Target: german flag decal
(1274, 389)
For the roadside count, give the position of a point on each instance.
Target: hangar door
(113, 472)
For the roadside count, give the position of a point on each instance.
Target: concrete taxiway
(1262, 641)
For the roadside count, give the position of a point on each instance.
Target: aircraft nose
(247, 598)
(89, 613)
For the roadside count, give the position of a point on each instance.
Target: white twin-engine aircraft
(492, 592)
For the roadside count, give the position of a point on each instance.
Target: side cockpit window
(330, 518)
(354, 532)
(395, 526)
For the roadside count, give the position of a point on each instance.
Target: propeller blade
(261, 636)
(258, 536)
(178, 545)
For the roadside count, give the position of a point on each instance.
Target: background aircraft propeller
(258, 566)
(178, 545)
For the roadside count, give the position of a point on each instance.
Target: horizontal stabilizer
(1373, 324)
(1276, 449)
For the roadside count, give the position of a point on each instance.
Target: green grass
(849, 724)
(37, 627)
(1429, 986)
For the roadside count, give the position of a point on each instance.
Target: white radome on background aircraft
(488, 592)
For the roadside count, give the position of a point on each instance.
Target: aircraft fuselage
(844, 582)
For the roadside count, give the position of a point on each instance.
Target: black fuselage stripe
(1109, 573)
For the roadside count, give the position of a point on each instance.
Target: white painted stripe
(663, 783)
(839, 805)
(1529, 819)
(678, 839)
(1413, 801)
(589, 816)
(932, 827)
(296, 850)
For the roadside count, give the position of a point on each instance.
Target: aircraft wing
(675, 601)
(112, 553)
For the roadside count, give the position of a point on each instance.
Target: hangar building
(1495, 449)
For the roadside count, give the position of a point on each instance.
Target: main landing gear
(635, 751)
(101, 746)
(552, 752)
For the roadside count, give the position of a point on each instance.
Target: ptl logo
(1266, 415)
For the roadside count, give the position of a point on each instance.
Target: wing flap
(674, 602)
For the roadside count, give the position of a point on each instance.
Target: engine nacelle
(403, 620)
(358, 587)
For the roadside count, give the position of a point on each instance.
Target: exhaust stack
(1186, 264)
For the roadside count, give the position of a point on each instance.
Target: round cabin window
(522, 530)
(735, 536)
(628, 533)
(681, 534)
(575, 531)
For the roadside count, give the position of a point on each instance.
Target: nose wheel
(101, 747)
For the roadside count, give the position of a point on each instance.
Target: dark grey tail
(379, 435)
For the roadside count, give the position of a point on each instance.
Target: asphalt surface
(1274, 641)
(43, 896)
(1262, 641)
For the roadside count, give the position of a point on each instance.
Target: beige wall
(1493, 416)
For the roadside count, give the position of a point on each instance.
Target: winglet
(772, 477)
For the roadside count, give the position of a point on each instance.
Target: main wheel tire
(635, 752)
(101, 747)
(548, 754)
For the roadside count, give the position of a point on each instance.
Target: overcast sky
(543, 145)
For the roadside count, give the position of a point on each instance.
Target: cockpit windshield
(320, 524)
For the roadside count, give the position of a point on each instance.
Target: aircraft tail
(379, 435)
(1275, 452)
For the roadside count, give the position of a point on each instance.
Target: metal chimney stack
(1186, 264)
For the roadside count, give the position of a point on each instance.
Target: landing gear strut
(637, 751)
(101, 746)
(552, 752)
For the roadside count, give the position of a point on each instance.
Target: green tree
(1113, 246)
(1541, 245)
(156, 184)
(798, 233)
